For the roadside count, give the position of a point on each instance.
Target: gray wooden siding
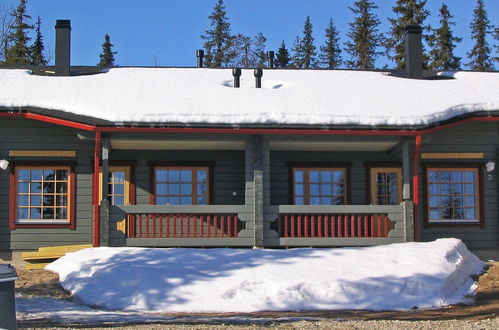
(19, 134)
(471, 137)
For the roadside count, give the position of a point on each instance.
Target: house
(171, 157)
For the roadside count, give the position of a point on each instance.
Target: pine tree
(17, 50)
(218, 40)
(480, 53)
(282, 56)
(409, 12)
(259, 50)
(304, 49)
(496, 46)
(364, 35)
(37, 57)
(107, 55)
(330, 53)
(240, 51)
(443, 43)
(6, 21)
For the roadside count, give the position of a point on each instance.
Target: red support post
(415, 186)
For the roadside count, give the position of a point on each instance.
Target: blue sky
(167, 32)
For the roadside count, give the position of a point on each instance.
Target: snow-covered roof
(301, 97)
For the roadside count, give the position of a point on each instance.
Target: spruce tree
(364, 35)
(17, 50)
(480, 53)
(6, 21)
(282, 56)
(496, 45)
(240, 51)
(37, 57)
(107, 55)
(217, 40)
(259, 50)
(304, 49)
(443, 43)
(330, 53)
(409, 12)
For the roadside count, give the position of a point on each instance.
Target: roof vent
(62, 47)
(258, 77)
(413, 52)
(200, 55)
(270, 59)
(236, 72)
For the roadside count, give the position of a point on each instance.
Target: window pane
(434, 201)
(299, 201)
(36, 187)
(61, 175)
(314, 176)
(48, 187)
(338, 176)
(161, 189)
(23, 187)
(174, 175)
(469, 176)
(161, 200)
(446, 213)
(434, 189)
(62, 200)
(382, 189)
(326, 201)
(469, 201)
(186, 200)
(299, 189)
(118, 200)
(380, 178)
(202, 200)
(22, 213)
(48, 175)
(393, 199)
(457, 188)
(470, 214)
(35, 200)
(61, 213)
(338, 189)
(22, 200)
(173, 189)
(456, 176)
(202, 176)
(298, 176)
(119, 189)
(186, 175)
(469, 188)
(35, 213)
(161, 175)
(48, 213)
(327, 189)
(338, 200)
(315, 201)
(23, 175)
(62, 187)
(48, 200)
(314, 190)
(186, 189)
(459, 213)
(434, 214)
(173, 200)
(36, 174)
(118, 176)
(326, 176)
(201, 189)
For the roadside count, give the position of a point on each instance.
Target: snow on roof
(395, 276)
(202, 96)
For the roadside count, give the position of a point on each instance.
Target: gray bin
(7, 297)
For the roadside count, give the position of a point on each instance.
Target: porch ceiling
(123, 144)
(332, 145)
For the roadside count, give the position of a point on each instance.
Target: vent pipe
(413, 52)
(270, 59)
(236, 72)
(62, 47)
(200, 55)
(258, 77)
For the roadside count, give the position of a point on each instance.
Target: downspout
(415, 186)
(95, 189)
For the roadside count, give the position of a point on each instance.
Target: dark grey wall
(23, 134)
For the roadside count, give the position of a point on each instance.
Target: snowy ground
(396, 276)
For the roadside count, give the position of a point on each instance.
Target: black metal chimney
(62, 47)
(258, 77)
(413, 52)
(200, 55)
(236, 72)
(270, 59)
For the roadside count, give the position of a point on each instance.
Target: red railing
(333, 225)
(183, 226)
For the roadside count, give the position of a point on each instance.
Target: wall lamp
(490, 166)
(4, 164)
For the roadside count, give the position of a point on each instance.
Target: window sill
(43, 224)
(454, 223)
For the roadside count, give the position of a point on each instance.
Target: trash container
(7, 297)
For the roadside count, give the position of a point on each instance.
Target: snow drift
(396, 276)
(197, 96)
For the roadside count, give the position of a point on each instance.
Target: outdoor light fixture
(4, 164)
(490, 166)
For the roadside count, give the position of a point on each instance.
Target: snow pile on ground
(396, 276)
(321, 97)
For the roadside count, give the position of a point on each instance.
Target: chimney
(258, 77)
(200, 55)
(62, 47)
(270, 58)
(236, 72)
(413, 52)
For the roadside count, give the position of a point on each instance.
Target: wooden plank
(42, 153)
(452, 155)
(38, 265)
(65, 248)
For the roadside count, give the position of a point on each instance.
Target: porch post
(104, 209)
(258, 187)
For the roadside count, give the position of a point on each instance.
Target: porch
(265, 212)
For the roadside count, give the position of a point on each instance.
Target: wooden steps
(45, 255)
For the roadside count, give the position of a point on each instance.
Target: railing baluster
(352, 224)
(319, 222)
(333, 225)
(372, 225)
(174, 226)
(236, 226)
(293, 226)
(380, 224)
(222, 226)
(215, 226)
(201, 225)
(286, 220)
(208, 224)
(326, 226)
(196, 219)
(154, 225)
(366, 226)
(140, 224)
(229, 226)
(306, 225)
(386, 225)
(340, 225)
(299, 226)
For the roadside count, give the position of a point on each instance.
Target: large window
(386, 185)
(319, 186)
(453, 195)
(181, 185)
(42, 195)
(118, 183)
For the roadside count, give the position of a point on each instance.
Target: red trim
(95, 189)
(415, 186)
(86, 127)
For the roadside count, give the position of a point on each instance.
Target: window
(181, 185)
(319, 186)
(42, 195)
(453, 194)
(386, 185)
(118, 183)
